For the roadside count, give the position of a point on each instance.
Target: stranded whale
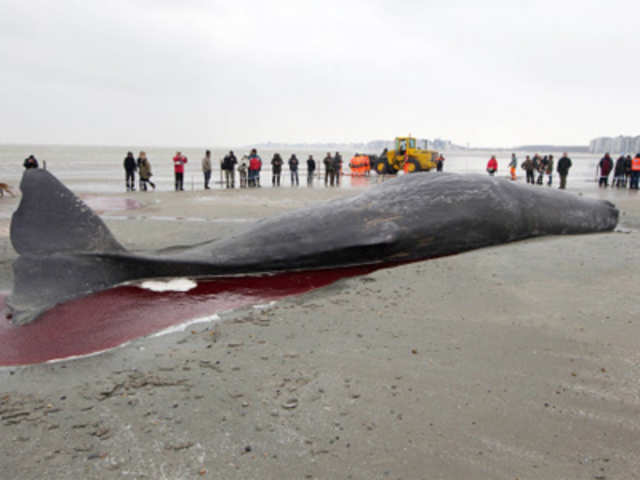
(66, 251)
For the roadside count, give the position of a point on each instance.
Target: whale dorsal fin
(51, 219)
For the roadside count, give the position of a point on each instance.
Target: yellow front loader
(406, 156)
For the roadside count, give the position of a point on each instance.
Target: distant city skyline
(495, 74)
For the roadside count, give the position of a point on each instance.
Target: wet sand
(517, 361)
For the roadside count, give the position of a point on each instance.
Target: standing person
(492, 165)
(542, 167)
(536, 165)
(242, 171)
(293, 167)
(276, 169)
(130, 172)
(328, 169)
(605, 165)
(229, 166)
(337, 167)
(30, 162)
(618, 173)
(627, 169)
(564, 164)
(549, 170)
(439, 163)
(206, 169)
(178, 170)
(311, 169)
(513, 163)
(255, 164)
(528, 167)
(144, 169)
(635, 172)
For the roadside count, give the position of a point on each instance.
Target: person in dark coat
(328, 170)
(293, 168)
(130, 172)
(564, 164)
(605, 165)
(276, 169)
(619, 180)
(529, 168)
(311, 170)
(229, 167)
(337, 167)
(536, 163)
(30, 162)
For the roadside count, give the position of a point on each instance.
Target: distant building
(619, 144)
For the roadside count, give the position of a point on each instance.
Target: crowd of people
(143, 166)
(536, 168)
(626, 171)
(249, 169)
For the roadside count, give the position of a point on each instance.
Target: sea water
(99, 169)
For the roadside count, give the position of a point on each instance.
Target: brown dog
(5, 188)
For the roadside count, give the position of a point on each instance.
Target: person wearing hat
(30, 162)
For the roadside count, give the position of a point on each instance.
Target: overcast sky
(216, 73)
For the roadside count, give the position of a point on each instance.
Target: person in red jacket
(178, 169)
(255, 164)
(492, 165)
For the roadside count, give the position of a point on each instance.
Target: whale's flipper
(70, 225)
(65, 249)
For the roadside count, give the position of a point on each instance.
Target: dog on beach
(4, 187)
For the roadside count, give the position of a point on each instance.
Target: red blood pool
(107, 319)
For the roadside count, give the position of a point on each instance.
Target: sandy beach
(513, 362)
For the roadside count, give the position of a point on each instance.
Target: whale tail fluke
(70, 225)
(65, 248)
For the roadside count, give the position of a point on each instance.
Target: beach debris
(101, 432)
(290, 404)
(178, 446)
(138, 380)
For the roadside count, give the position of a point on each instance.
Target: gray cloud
(222, 73)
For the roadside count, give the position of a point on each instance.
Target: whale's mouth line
(106, 320)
